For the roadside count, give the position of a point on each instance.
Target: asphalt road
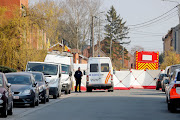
(100, 105)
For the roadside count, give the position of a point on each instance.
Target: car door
(171, 84)
(94, 76)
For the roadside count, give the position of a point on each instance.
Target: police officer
(78, 75)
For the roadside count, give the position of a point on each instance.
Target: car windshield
(19, 79)
(162, 76)
(178, 76)
(47, 69)
(38, 77)
(65, 69)
(1, 80)
(105, 67)
(173, 68)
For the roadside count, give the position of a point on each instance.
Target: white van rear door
(105, 73)
(94, 75)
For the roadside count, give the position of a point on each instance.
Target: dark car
(43, 86)
(24, 87)
(164, 83)
(158, 81)
(6, 98)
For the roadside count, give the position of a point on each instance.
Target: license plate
(16, 97)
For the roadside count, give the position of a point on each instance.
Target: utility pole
(123, 57)
(92, 36)
(77, 37)
(99, 39)
(111, 49)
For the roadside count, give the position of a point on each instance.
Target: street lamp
(177, 6)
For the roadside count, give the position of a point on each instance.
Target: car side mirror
(70, 74)
(59, 74)
(35, 84)
(84, 72)
(8, 85)
(114, 72)
(47, 81)
(166, 82)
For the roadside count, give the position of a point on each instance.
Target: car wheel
(157, 88)
(47, 99)
(37, 102)
(33, 104)
(89, 90)
(10, 111)
(163, 90)
(66, 91)
(4, 111)
(167, 100)
(54, 96)
(110, 89)
(171, 107)
(69, 92)
(44, 99)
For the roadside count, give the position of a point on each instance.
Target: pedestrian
(78, 76)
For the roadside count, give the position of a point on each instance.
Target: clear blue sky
(139, 11)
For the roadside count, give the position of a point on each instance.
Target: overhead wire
(154, 18)
(162, 19)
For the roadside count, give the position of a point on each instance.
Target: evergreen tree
(115, 31)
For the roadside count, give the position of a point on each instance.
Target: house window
(23, 10)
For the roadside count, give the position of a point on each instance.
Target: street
(101, 105)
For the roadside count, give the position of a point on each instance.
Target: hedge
(5, 69)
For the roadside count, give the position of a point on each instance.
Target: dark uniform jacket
(78, 75)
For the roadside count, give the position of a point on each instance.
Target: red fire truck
(147, 60)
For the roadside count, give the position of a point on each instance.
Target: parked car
(164, 82)
(66, 61)
(42, 85)
(24, 87)
(52, 72)
(170, 69)
(6, 97)
(158, 81)
(173, 92)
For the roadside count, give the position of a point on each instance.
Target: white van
(52, 72)
(99, 74)
(66, 67)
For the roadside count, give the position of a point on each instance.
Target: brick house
(37, 38)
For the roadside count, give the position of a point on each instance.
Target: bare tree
(78, 14)
(136, 48)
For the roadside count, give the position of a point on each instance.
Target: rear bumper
(99, 86)
(175, 102)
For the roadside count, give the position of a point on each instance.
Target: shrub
(5, 69)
